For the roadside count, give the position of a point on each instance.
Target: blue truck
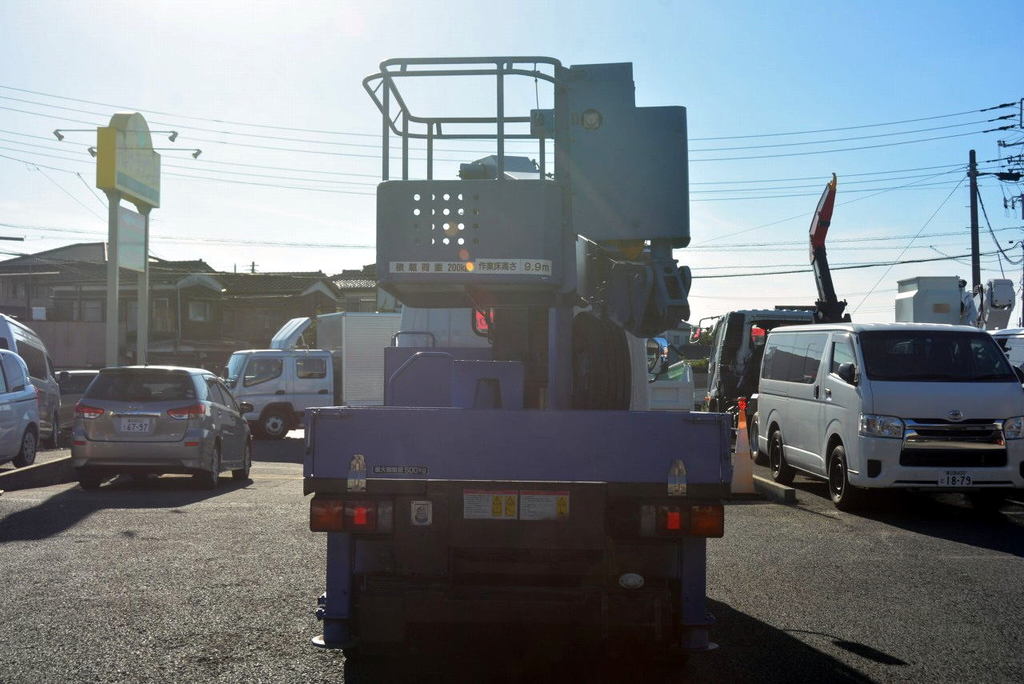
(513, 482)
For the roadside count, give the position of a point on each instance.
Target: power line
(921, 230)
(374, 135)
(65, 191)
(842, 149)
(890, 264)
(856, 137)
(805, 214)
(850, 128)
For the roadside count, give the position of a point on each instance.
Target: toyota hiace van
(916, 406)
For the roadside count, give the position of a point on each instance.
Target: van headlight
(881, 426)
(1013, 428)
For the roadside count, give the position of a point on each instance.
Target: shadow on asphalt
(750, 651)
(287, 450)
(66, 509)
(944, 516)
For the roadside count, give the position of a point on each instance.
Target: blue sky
(740, 68)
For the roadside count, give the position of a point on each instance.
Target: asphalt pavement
(157, 581)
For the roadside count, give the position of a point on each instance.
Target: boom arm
(828, 307)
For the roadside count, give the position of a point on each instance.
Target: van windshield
(934, 356)
(235, 365)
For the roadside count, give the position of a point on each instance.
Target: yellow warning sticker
(543, 505)
(480, 504)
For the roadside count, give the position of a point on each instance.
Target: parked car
(159, 419)
(23, 341)
(72, 385)
(905, 405)
(19, 412)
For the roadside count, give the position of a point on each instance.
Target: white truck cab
(905, 405)
(346, 366)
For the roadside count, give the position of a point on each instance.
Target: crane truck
(510, 484)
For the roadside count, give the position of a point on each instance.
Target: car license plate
(955, 478)
(136, 424)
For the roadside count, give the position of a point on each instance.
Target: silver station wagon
(141, 420)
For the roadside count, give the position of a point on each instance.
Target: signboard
(131, 240)
(126, 162)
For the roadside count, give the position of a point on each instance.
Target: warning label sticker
(527, 267)
(478, 504)
(543, 505)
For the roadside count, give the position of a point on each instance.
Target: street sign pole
(113, 279)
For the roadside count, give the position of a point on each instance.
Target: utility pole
(972, 173)
(252, 267)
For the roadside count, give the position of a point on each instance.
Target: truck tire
(273, 424)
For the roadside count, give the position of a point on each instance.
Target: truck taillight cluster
(666, 520)
(679, 520)
(334, 514)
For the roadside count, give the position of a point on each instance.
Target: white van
(905, 405)
(1012, 342)
(22, 340)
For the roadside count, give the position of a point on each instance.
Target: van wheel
(781, 471)
(760, 458)
(273, 425)
(845, 496)
(52, 442)
(27, 455)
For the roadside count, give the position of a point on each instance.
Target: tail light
(678, 520)
(186, 412)
(331, 514)
(88, 412)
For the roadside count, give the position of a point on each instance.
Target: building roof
(356, 279)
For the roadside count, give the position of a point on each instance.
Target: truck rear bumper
(390, 611)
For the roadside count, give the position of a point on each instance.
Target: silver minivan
(905, 405)
(19, 412)
(140, 420)
(23, 341)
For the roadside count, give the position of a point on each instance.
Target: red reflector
(673, 521)
(359, 515)
(191, 444)
(78, 442)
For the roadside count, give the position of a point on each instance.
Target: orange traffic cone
(742, 461)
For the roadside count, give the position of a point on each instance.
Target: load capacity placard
(480, 504)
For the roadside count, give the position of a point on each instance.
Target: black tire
(845, 496)
(89, 480)
(781, 471)
(27, 453)
(209, 479)
(51, 442)
(243, 472)
(273, 424)
(760, 458)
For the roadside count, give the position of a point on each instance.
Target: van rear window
(34, 358)
(934, 356)
(141, 386)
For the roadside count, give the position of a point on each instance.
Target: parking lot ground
(159, 581)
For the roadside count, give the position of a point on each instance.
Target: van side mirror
(848, 372)
(245, 407)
